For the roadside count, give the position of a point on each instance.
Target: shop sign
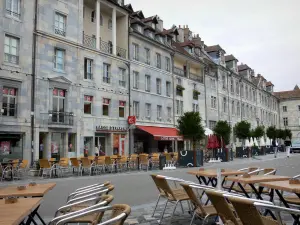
(131, 120)
(161, 138)
(110, 128)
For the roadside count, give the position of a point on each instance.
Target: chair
(64, 164)
(46, 168)
(155, 160)
(171, 196)
(22, 170)
(122, 164)
(295, 200)
(87, 165)
(106, 183)
(144, 161)
(119, 213)
(201, 211)
(109, 164)
(100, 164)
(91, 158)
(175, 158)
(168, 158)
(75, 165)
(133, 161)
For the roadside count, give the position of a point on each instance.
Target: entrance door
(58, 106)
(100, 142)
(122, 146)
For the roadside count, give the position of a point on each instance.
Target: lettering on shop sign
(110, 128)
(169, 138)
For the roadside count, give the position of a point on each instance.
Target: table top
(14, 214)
(31, 191)
(257, 179)
(282, 185)
(213, 172)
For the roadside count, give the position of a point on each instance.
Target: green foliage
(288, 133)
(280, 133)
(271, 132)
(179, 87)
(190, 126)
(223, 129)
(242, 130)
(259, 132)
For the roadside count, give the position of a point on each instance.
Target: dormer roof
(153, 19)
(138, 14)
(129, 7)
(243, 67)
(214, 48)
(229, 58)
(137, 21)
(269, 83)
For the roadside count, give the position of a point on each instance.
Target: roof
(151, 18)
(170, 32)
(147, 27)
(129, 7)
(230, 58)
(243, 67)
(161, 133)
(214, 48)
(187, 43)
(138, 14)
(288, 94)
(179, 48)
(269, 83)
(136, 20)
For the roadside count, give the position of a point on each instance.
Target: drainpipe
(33, 78)
(205, 100)
(129, 85)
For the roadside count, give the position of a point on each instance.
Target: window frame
(9, 10)
(135, 55)
(136, 109)
(158, 86)
(88, 65)
(86, 101)
(57, 29)
(56, 50)
(158, 60)
(106, 77)
(168, 64)
(169, 113)
(9, 96)
(284, 108)
(135, 80)
(106, 102)
(122, 105)
(148, 110)
(168, 88)
(9, 54)
(213, 102)
(122, 77)
(147, 56)
(147, 83)
(285, 121)
(109, 24)
(159, 112)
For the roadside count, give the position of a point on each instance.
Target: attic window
(139, 28)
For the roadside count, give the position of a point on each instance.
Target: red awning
(162, 133)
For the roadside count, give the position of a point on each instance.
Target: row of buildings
(73, 71)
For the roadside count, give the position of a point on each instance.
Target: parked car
(295, 145)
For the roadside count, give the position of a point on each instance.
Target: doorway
(100, 142)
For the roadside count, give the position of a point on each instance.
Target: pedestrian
(287, 144)
(96, 149)
(275, 149)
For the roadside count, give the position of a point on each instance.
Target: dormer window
(191, 50)
(139, 28)
(153, 25)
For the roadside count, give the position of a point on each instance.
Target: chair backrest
(24, 164)
(161, 191)
(270, 171)
(164, 186)
(74, 162)
(101, 160)
(91, 158)
(252, 169)
(85, 162)
(221, 205)
(15, 163)
(133, 157)
(123, 159)
(168, 156)
(246, 211)
(117, 211)
(44, 164)
(175, 157)
(195, 201)
(64, 162)
(108, 160)
(144, 158)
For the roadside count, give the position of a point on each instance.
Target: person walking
(287, 144)
(274, 148)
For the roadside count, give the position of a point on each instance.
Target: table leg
(243, 190)
(32, 215)
(231, 186)
(257, 193)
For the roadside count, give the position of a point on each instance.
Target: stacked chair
(89, 205)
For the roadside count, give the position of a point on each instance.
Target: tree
(223, 130)
(280, 133)
(288, 133)
(259, 132)
(242, 130)
(271, 132)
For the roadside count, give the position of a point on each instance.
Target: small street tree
(223, 130)
(271, 132)
(280, 133)
(288, 133)
(242, 130)
(259, 132)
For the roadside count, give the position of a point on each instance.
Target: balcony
(59, 31)
(196, 77)
(179, 72)
(107, 47)
(60, 119)
(13, 14)
(14, 59)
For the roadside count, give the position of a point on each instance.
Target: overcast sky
(264, 34)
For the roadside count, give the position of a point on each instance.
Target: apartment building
(289, 109)
(15, 78)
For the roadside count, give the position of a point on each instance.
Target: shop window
(9, 101)
(88, 146)
(122, 109)
(105, 107)
(88, 101)
(71, 142)
(11, 146)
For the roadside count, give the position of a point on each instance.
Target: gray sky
(265, 34)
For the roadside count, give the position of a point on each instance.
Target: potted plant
(179, 89)
(195, 94)
(35, 169)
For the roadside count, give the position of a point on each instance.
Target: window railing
(89, 41)
(88, 75)
(196, 77)
(106, 80)
(59, 31)
(61, 118)
(122, 83)
(106, 46)
(11, 58)
(121, 52)
(179, 72)
(12, 13)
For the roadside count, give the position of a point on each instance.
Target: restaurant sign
(111, 128)
(166, 138)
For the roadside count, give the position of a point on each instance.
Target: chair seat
(90, 219)
(292, 200)
(269, 221)
(178, 196)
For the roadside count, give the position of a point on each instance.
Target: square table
(14, 214)
(38, 190)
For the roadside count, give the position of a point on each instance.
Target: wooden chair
(46, 168)
(64, 165)
(133, 161)
(100, 164)
(109, 164)
(22, 170)
(122, 163)
(175, 158)
(75, 165)
(144, 161)
(170, 195)
(87, 165)
(155, 160)
(91, 158)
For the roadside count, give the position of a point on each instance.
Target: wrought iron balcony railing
(121, 52)
(61, 118)
(59, 31)
(195, 77)
(179, 72)
(14, 59)
(89, 41)
(12, 13)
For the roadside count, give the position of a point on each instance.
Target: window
(158, 86)
(167, 64)
(9, 101)
(147, 56)
(178, 81)
(168, 88)
(158, 60)
(110, 24)
(148, 110)
(285, 121)
(213, 83)
(58, 105)
(122, 109)
(88, 68)
(135, 52)
(88, 100)
(169, 113)
(243, 110)
(284, 108)
(59, 59)
(106, 73)
(179, 107)
(60, 24)
(237, 88)
(254, 97)
(238, 109)
(223, 82)
(231, 85)
(147, 83)
(298, 107)
(105, 107)
(11, 49)
(260, 99)
(135, 80)
(195, 107)
(159, 112)
(232, 108)
(212, 124)
(242, 90)
(122, 77)
(213, 102)
(136, 109)
(13, 8)
(224, 104)
(247, 92)
(101, 20)
(93, 13)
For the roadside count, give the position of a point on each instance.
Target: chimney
(187, 26)
(179, 26)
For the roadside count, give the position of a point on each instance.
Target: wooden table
(284, 185)
(14, 214)
(31, 191)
